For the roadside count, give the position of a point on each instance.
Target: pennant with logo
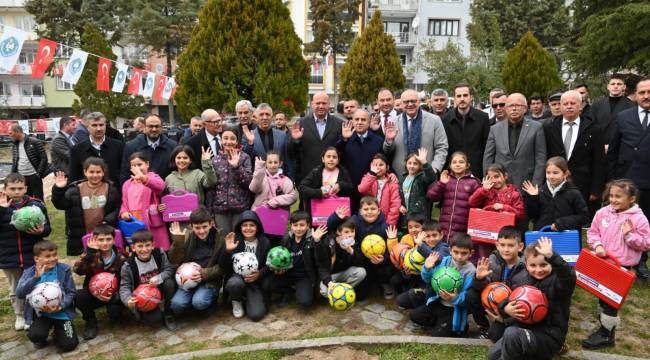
(169, 88)
(136, 82)
(120, 77)
(11, 43)
(160, 87)
(75, 67)
(104, 74)
(173, 91)
(149, 85)
(44, 57)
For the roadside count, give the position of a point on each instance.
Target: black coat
(35, 154)
(17, 247)
(198, 142)
(331, 258)
(628, 155)
(307, 151)
(315, 266)
(158, 159)
(470, 139)
(310, 186)
(111, 152)
(567, 210)
(262, 250)
(603, 115)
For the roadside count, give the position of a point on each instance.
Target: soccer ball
(373, 245)
(494, 294)
(27, 217)
(413, 260)
(279, 258)
(534, 302)
(147, 297)
(46, 294)
(446, 278)
(104, 284)
(397, 254)
(341, 296)
(244, 263)
(185, 273)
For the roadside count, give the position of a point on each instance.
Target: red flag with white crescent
(44, 57)
(160, 87)
(103, 74)
(136, 82)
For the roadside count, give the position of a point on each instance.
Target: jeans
(199, 298)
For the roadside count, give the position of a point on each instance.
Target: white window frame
(443, 27)
(62, 85)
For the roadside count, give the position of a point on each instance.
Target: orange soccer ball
(494, 294)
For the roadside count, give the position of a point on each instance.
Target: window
(443, 27)
(62, 85)
(403, 59)
(316, 76)
(5, 89)
(2, 20)
(25, 23)
(27, 56)
(63, 52)
(398, 30)
(31, 89)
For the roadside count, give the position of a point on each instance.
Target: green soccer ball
(279, 258)
(448, 279)
(27, 218)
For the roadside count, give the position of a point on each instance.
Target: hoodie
(263, 246)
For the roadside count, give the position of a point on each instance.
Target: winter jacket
(17, 247)
(91, 263)
(454, 196)
(129, 282)
(69, 199)
(36, 155)
(510, 198)
(284, 195)
(158, 158)
(364, 229)
(194, 180)
(27, 283)
(231, 191)
(468, 135)
(310, 186)
(390, 196)
(418, 202)
(567, 209)
(60, 153)
(262, 250)
(518, 275)
(183, 246)
(607, 230)
(332, 259)
(356, 156)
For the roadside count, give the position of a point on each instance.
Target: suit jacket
(603, 115)
(111, 152)
(280, 144)
(470, 138)
(198, 142)
(587, 158)
(60, 153)
(629, 149)
(307, 151)
(529, 158)
(158, 158)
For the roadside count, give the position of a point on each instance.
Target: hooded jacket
(455, 196)
(17, 247)
(262, 250)
(567, 209)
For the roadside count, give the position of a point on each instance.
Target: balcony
(403, 39)
(22, 101)
(396, 8)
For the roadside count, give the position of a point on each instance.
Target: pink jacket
(607, 230)
(390, 198)
(261, 186)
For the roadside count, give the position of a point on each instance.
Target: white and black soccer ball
(46, 294)
(244, 263)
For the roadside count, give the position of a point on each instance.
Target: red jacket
(390, 198)
(509, 197)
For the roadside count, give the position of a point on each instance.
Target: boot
(90, 331)
(605, 336)
(169, 321)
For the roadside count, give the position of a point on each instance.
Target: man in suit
(386, 103)
(245, 113)
(61, 144)
(498, 106)
(439, 102)
(604, 110)
(583, 89)
(208, 137)
(518, 144)
(264, 138)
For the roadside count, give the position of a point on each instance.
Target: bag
(321, 209)
(604, 277)
(179, 204)
(274, 221)
(566, 243)
(119, 241)
(128, 227)
(484, 225)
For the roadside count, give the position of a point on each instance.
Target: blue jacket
(27, 283)
(158, 159)
(357, 156)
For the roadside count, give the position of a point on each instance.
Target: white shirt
(574, 136)
(211, 141)
(382, 118)
(642, 113)
(96, 146)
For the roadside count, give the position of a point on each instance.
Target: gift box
(566, 243)
(321, 209)
(604, 277)
(178, 205)
(484, 225)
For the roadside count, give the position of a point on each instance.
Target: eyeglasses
(211, 121)
(409, 102)
(499, 105)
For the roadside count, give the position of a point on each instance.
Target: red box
(604, 277)
(321, 209)
(484, 225)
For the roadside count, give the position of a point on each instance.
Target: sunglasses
(499, 105)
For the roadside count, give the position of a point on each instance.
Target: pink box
(321, 209)
(179, 204)
(119, 242)
(274, 221)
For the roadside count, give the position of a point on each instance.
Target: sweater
(194, 180)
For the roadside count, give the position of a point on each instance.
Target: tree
(109, 103)
(332, 28)
(242, 49)
(372, 64)
(530, 69)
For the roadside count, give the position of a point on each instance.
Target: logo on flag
(75, 66)
(120, 78)
(169, 88)
(9, 47)
(11, 43)
(149, 85)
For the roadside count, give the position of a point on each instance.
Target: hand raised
(545, 247)
(231, 242)
(346, 129)
(487, 183)
(391, 232)
(206, 153)
(175, 229)
(422, 155)
(530, 188)
(444, 177)
(248, 134)
(296, 131)
(483, 268)
(60, 180)
(319, 232)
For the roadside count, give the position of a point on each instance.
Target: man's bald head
(212, 121)
(571, 104)
(320, 104)
(516, 107)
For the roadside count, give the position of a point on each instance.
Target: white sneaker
(20, 323)
(27, 326)
(237, 309)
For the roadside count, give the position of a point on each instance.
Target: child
(619, 230)
(148, 265)
(383, 185)
(248, 237)
(414, 224)
(141, 197)
(183, 177)
(558, 203)
(87, 203)
(201, 244)
(414, 184)
(446, 312)
(325, 180)
(101, 255)
(454, 190)
(548, 272)
(46, 268)
(16, 246)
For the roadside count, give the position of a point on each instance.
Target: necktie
(644, 123)
(567, 139)
(385, 120)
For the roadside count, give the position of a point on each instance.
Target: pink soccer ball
(185, 273)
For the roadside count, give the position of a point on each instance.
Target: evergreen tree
(530, 69)
(242, 50)
(109, 103)
(372, 64)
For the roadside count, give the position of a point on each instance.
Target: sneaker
(170, 322)
(389, 292)
(237, 309)
(40, 345)
(600, 339)
(482, 334)
(90, 331)
(564, 349)
(20, 323)
(26, 327)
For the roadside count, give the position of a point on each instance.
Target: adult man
(244, 110)
(281, 122)
(97, 145)
(313, 133)
(604, 110)
(81, 132)
(196, 124)
(386, 103)
(518, 144)
(554, 103)
(467, 129)
(439, 102)
(349, 107)
(264, 138)
(158, 147)
(138, 128)
(490, 110)
(208, 137)
(61, 144)
(29, 159)
(412, 130)
(537, 108)
(583, 89)
(498, 106)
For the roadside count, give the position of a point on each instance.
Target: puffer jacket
(231, 191)
(418, 202)
(390, 197)
(35, 154)
(567, 209)
(510, 198)
(17, 247)
(455, 196)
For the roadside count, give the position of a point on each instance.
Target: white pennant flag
(11, 43)
(75, 66)
(169, 87)
(149, 85)
(120, 77)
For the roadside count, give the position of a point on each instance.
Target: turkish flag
(136, 82)
(43, 59)
(103, 74)
(41, 125)
(173, 92)
(160, 87)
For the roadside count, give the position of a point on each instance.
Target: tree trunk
(335, 88)
(170, 102)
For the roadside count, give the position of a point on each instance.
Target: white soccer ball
(244, 263)
(184, 275)
(46, 294)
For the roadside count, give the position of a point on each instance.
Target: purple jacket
(455, 202)
(231, 191)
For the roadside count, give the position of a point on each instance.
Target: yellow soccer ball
(341, 296)
(413, 260)
(373, 245)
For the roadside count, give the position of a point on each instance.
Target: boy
(504, 265)
(414, 224)
(148, 265)
(446, 312)
(16, 246)
(48, 269)
(556, 279)
(200, 245)
(101, 255)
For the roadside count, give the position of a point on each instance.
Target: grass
(426, 352)
(257, 355)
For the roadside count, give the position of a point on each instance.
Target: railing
(401, 37)
(22, 100)
(396, 5)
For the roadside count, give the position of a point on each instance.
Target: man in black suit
(209, 136)
(604, 110)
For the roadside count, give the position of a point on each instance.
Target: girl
(383, 185)
(87, 203)
(619, 230)
(270, 186)
(413, 186)
(184, 177)
(558, 203)
(325, 180)
(454, 190)
(230, 196)
(141, 198)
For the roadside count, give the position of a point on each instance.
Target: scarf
(412, 137)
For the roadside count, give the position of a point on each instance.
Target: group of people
(392, 165)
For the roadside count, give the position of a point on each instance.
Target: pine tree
(530, 69)
(242, 50)
(372, 64)
(109, 103)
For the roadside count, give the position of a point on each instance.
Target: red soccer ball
(494, 294)
(534, 303)
(104, 284)
(147, 297)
